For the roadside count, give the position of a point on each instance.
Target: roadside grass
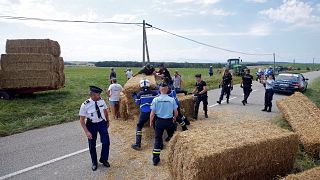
(55, 107)
(313, 91)
(303, 161)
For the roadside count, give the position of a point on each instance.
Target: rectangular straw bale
(123, 107)
(61, 72)
(187, 105)
(311, 174)
(29, 79)
(242, 150)
(304, 118)
(133, 85)
(41, 46)
(23, 62)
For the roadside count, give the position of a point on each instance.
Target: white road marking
(230, 99)
(222, 102)
(44, 163)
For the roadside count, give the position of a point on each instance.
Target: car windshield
(287, 77)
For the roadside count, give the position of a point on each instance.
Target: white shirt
(115, 90)
(177, 81)
(88, 110)
(129, 74)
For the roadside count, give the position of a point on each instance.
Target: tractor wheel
(6, 95)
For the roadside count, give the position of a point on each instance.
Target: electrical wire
(68, 21)
(208, 45)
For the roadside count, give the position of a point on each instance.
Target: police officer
(200, 91)
(95, 111)
(164, 74)
(162, 117)
(226, 84)
(246, 84)
(143, 99)
(269, 84)
(148, 69)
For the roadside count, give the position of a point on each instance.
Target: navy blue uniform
(181, 119)
(144, 100)
(226, 86)
(247, 84)
(201, 97)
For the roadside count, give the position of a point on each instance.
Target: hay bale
(242, 150)
(311, 174)
(304, 118)
(123, 107)
(25, 62)
(41, 46)
(29, 79)
(61, 72)
(133, 85)
(187, 105)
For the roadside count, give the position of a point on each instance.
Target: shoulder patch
(86, 102)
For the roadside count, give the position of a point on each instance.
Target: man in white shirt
(114, 91)
(129, 73)
(93, 119)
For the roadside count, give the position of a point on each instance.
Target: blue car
(290, 83)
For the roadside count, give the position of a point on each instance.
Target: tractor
(235, 67)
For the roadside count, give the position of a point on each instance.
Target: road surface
(60, 152)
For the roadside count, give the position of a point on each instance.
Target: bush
(298, 68)
(308, 69)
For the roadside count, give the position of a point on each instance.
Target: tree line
(156, 64)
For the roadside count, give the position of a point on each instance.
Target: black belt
(165, 119)
(90, 120)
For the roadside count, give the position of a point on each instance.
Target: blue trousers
(143, 118)
(102, 128)
(160, 126)
(268, 97)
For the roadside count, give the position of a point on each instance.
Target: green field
(54, 107)
(313, 91)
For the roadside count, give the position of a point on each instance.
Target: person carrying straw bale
(113, 93)
(144, 99)
(148, 69)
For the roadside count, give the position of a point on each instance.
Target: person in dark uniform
(148, 69)
(211, 71)
(200, 91)
(269, 84)
(246, 84)
(163, 116)
(164, 74)
(226, 84)
(113, 74)
(143, 99)
(93, 119)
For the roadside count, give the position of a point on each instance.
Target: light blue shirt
(164, 106)
(269, 84)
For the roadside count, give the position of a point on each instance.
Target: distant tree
(298, 68)
(308, 69)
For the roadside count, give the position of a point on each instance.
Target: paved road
(59, 152)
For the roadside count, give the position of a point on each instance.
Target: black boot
(206, 115)
(269, 109)
(219, 102)
(136, 146)
(265, 108)
(184, 128)
(228, 101)
(186, 121)
(244, 102)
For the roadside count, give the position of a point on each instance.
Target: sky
(288, 28)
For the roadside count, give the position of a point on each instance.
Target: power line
(21, 18)
(208, 45)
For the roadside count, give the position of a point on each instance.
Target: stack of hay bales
(311, 174)
(243, 150)
(304, 118)
(187, 105)
(32, 63)
(133, 86)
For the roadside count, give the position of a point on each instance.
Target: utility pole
(146, 44)
(143, 42)
(274, 61)
(313, 65)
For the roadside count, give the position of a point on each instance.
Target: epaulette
(86, 102)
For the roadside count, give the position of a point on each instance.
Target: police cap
(95, 89)
(163, 84)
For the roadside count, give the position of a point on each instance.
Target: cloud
(292, 12)
(203, 2)
(257, 1)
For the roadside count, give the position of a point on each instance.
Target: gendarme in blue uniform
(163, 106)
(144, 99)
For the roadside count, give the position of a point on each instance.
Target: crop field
(55, 107)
